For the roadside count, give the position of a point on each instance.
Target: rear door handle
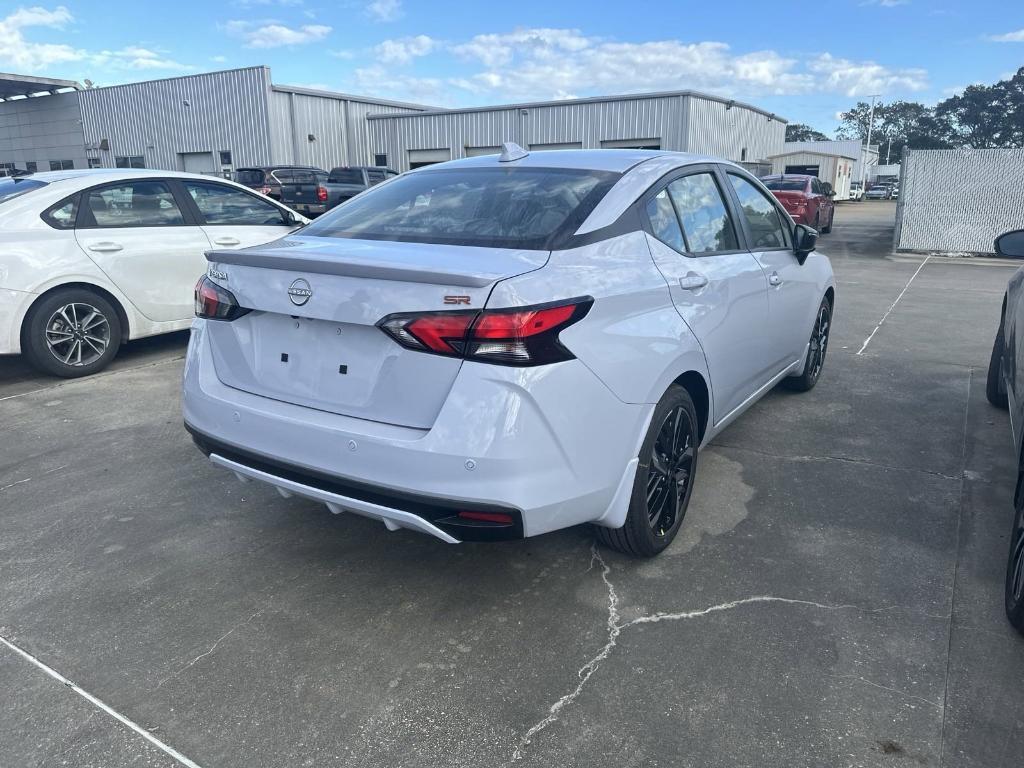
(774, 279)
(692, 282)
(105, 247)
(227, 241)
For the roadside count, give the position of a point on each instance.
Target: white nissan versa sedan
(91, 258)
(498, 347)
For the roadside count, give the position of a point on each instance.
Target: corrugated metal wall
(715, 128)
(959, 200)
(849, 147)
(41, 129)
(338, 124)
(665, 117)
(162, 119)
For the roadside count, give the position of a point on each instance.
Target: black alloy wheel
(670, 471)
(1015, 571)
(817, 349)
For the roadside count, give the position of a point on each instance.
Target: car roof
(615, 160)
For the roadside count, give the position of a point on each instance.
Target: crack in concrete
(615, 628)
(213, 648)
(936, 704)
(847, 459)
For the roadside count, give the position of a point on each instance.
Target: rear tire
(664, 479)
(816, 350)
(72, 332)
(1015, 571)
(995, 388)
(831, 219)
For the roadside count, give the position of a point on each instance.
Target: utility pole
(867, 146)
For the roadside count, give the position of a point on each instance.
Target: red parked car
(806, 198)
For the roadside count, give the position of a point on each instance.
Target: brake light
(216, 303)
(265, 191)
(521, 336)
(321, 194)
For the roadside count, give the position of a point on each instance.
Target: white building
(864, 158)
(836, 170)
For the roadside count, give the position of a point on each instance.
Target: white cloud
(853, 78)
(21, 54)
(886, 3)
(343, 54)
(405, 49)
(549, 63)
(1009, 37)
(385, 10)
(218, 59)
(274, 35)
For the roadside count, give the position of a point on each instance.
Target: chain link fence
(958, 200)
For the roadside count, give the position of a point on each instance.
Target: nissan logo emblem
(299, 292)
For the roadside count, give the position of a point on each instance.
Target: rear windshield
(497, 207)
(346, 176)
(11, 187)
(785, 185)
(249, 176)
(307, 177)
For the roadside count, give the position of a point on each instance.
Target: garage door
(479, 151)
(197, 162)
(804, 170)
(420, 157)
(631, 144)
(566, 145)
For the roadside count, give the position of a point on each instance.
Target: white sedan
(498, 347)
(89, 259)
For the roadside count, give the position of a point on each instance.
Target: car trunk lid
(312, 338)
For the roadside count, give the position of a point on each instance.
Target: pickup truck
(315, 192)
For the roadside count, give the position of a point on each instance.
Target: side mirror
(1011, 244)
(804, 241)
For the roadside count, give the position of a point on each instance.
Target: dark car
(267, 179)
(1005, 389)
(315, 192)
(806, 198)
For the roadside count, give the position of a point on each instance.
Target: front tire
(995, 387)
(72, 332)
(664, 479)
(817, 348)
(1015, 571)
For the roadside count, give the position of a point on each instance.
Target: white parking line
(892, 306)
(170, 751)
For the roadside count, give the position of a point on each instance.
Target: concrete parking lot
(834, 598)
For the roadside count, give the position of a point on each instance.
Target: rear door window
(499, 207)
(703, 214)
(133, 204)
(664, 223)
(221, 204)
(766, 226)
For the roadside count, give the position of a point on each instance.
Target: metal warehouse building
(681, 120)
(219, 121)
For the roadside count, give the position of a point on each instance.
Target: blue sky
(803, 60)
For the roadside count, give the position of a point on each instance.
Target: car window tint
(135, 204)
(498, 207)
(251, 177)
(784, 185)
(221, 204)
(346, 176)
(766, 225)
(284, 175)
(374, 177)
(703, 214)
(664, 223)
(15, 186)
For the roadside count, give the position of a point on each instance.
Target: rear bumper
(309, 210)
(550, 446)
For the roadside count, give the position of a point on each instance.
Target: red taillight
(521, 336)
(216, 303)
(265, 191)
(321, 194)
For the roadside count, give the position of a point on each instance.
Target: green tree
(986, 116)
(802, 132)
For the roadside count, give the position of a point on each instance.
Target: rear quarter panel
(633, 339)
